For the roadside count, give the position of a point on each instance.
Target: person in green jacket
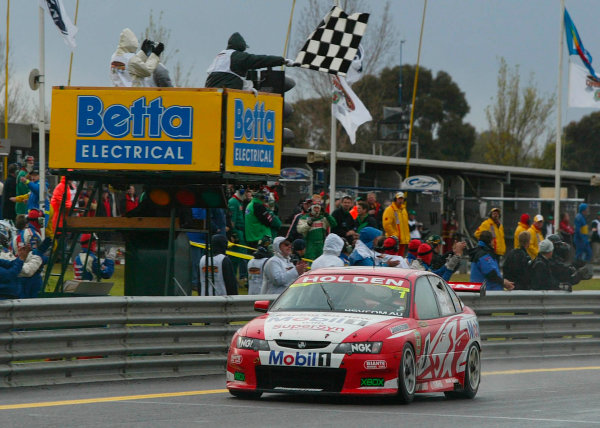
(237, 235)
(229, 68)
(314, 227)
(22, 188)
(259, 220)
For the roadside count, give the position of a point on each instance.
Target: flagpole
(5, 161)
(333, 155)
(414, 95)
(558, 152)
(41, 117)
(71, 60)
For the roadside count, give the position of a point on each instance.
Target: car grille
(302, 344)
(324, 379)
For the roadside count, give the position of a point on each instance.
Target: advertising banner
(254, 133)
(136, 129)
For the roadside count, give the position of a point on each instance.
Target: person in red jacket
(61, 191)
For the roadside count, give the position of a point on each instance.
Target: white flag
(63, 23)
(347, 108)
(584, 91)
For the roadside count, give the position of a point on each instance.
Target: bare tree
(377, 42)
(156, 31)
(517, 120)
(20, 104)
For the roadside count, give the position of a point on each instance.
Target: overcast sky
(462, 37)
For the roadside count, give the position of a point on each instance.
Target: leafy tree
(582, 139)
(517, 120)
(440, 108)
(157, 32)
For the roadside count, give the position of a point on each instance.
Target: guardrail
(83, 339)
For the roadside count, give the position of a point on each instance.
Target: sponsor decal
(318, 327)
(377, 280)
(236, 359)
(418, 342)
(375, 364)
(239, 376)
(372, 381)
(308, 359)
(318, 319)
(473, 328)
(374, 312)
(398, 328)
(245, 343)
(363, 348)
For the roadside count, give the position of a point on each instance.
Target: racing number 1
(324, 359)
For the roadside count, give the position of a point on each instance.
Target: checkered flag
(333, 45)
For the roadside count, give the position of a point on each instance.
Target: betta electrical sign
(253, 140)
(136, 129)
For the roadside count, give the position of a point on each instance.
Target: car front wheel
(407, 375)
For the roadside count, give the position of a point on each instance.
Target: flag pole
(71, 60)
(333, 155)
(558, 152)
(41, 116)
(414, 95)
(289, 30)
(5, 160)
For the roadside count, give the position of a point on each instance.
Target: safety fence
(83, 339)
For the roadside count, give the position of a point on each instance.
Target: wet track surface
(532, 392)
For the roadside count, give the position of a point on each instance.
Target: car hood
(320, 326)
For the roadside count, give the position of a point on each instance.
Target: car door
(427, 314)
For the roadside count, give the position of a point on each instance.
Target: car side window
(443, 297)
(425, 301)
(457, 302)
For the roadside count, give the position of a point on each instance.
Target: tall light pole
(400, 76)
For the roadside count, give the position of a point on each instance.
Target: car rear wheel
(245, 395)
(407, 375)
(472, 375)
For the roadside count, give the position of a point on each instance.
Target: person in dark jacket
(219, 270)
(345, 222)
(10, 190)
(229, 68)
(541, 269)
(516, 264)
(484, 265)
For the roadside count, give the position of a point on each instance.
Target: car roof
(393, 272)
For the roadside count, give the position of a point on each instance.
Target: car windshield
(376, 299)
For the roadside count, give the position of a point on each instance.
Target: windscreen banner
(254, 132)
(167, 129)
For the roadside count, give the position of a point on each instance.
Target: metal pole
(332, 163)
(71, 59)
(400, 76)
(6, 87)
(414, 95)
(42, 120)
(558, 152)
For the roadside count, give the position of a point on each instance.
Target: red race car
(360, 331)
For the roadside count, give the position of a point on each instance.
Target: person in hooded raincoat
(279, 272)
(331, 253)
(128, 68)
(363, 254)
(224, 282)
(229, 68)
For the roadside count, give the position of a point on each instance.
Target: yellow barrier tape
(235, 253)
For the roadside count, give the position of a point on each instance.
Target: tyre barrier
(85, 339)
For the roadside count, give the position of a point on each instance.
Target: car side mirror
(261, 305)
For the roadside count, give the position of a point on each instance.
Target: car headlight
(358, 348)
(252, 343)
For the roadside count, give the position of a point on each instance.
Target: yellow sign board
(145, 129)
(254, 132)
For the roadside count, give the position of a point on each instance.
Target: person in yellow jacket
(523, 226)
(395, 222)
(492, 223)
(536, 236)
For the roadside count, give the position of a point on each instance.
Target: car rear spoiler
(468, 287)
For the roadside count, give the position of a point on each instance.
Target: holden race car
(360, 331)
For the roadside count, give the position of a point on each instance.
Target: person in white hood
(278, 271)
(331, 253)
(128, 68)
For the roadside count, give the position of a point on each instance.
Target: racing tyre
(245, 395)
(472, 375)
(407, 375)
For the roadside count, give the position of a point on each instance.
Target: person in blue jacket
(484, 266)
(10, 287)
(363, 254)
(583, 250)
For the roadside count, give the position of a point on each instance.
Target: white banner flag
(63, 23)
(584, 91)
(347, 108)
